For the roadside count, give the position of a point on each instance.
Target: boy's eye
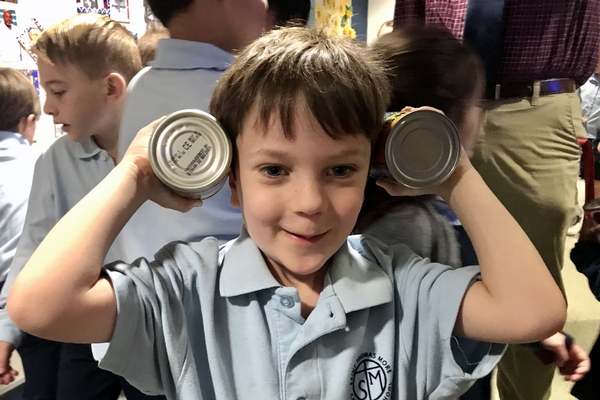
(58, 93)
(272, 171)
(341, 170)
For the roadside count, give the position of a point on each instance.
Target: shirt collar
(357, 282)
(11, 139)
(87, 148)
(186, 54)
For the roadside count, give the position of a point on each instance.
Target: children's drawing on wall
(93, 6)
(28, 36)
(149, 18)
(119, 10)
(336, 14)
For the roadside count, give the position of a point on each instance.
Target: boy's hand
(138, 167)
(590, 230)
(7, 373)
(572, 361)
(443, 190)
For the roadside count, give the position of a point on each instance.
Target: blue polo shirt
(63, 175)
(182, 76)
(203, 322)
(17, 160)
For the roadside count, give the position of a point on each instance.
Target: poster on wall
(93, 6)
(119, 10)
(346, 17)
(10, 50)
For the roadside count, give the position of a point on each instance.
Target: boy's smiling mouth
(306, 239)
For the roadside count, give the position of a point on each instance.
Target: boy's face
(300, 198)
(74, 101)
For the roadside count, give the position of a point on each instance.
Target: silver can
(191, 153)
(418, 149)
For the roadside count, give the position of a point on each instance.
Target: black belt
(511, 90)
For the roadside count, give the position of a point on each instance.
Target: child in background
(428, 66)
(19, 112)
(586, 257)
(148, 41)
(85, 63)
(314, 313)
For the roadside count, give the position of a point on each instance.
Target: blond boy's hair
(93, 43)
(341, 82)
(148, 42)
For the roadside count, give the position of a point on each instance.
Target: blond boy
(84, 64)
(293, 308)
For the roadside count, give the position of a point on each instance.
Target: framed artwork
(9, 18)
(93, 6)
(119, 10)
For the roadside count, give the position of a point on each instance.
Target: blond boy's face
(300, 198)
(74, 101)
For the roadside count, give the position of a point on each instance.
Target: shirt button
(287, 302)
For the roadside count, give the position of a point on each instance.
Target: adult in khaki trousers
(529, 156)
(536, 53)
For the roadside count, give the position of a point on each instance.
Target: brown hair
(426, 66)
(148, 42)
(93, 43)
(341, 82)
(18, 99)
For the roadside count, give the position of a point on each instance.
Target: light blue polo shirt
(201, 322)
(182, 76)
(17, 161)
(589, 94)
(63, 175)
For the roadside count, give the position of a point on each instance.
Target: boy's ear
(27, 127)
(235, 198)
(115, 85)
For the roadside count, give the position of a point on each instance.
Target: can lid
(190, 151)
(422, 149)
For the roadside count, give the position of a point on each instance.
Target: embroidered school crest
(371, 378)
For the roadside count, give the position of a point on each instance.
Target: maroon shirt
(544, 39)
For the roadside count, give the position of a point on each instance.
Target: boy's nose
(310, 199)
(49, 108)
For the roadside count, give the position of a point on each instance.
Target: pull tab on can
(417, 149)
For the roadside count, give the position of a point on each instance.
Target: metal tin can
(591, 211)
(191, 153)
(417, 149)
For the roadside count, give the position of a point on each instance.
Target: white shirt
(182, 76)
(589, 94)
(17, 161)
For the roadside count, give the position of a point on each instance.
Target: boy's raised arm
(517, 300)
(61, 294)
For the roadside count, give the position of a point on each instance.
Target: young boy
(292, 308)
(84, 63)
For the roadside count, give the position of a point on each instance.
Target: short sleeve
(149, 344)
(431, 295)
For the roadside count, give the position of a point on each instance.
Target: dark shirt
(543, 39)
